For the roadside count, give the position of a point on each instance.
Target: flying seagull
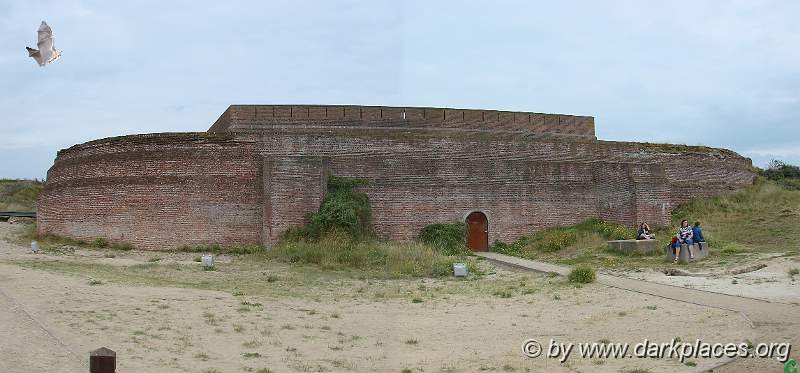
(47, 52)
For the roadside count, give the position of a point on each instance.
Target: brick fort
(260, 169)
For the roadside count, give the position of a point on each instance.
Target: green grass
(19, 195)
(219, 249)
(339, 251)
(758, 219)
(555, 239)
(450, 238)
(55, 244)
(246, 274)
(582, 274)
(582, 243)
(344, 209)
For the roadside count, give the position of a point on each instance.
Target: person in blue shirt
(697, 232)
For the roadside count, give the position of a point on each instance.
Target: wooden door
(477, 232)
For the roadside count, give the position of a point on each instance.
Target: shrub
(343, 209)
(450, 239)
(122, 246)
(784, 174)
(582, 274)
(100, 242)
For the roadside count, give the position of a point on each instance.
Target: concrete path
(773, 322)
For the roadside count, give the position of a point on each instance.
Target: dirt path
(28, 343)
(773, 322)
(480, 327)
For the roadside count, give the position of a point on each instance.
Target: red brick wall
(418, 177)
(254, 118)
(293, 187)
(249, 185)
(155, 191)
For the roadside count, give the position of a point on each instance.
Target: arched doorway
(477, 231)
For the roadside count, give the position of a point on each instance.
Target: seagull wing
(35, 55)
(46, 42)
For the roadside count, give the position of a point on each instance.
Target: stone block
(700, 250)
(633, 246)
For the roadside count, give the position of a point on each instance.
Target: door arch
(477, 231)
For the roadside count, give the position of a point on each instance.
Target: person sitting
(697, 233)
(644, 232)
(684, 236)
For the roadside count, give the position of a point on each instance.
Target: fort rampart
(261, 169)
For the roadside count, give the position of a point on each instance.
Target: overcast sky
(717, 73)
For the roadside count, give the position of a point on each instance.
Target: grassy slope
(763, 218)
(19, 195)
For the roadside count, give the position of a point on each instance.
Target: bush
(450, 239)
(343, 209)
(784, 174)
(582, 274)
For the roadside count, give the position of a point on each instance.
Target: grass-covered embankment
(19, 195)
(760, 219)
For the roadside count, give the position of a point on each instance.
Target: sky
(716, 73)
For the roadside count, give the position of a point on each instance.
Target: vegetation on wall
(450, 238)
(339, 237)
(344, 210)
(19, 195)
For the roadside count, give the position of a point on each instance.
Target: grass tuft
(582, 274)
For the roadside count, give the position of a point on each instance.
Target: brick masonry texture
(261, 168)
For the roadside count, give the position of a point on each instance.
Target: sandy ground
(49, 321)
(772, 283)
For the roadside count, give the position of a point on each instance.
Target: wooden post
(102, 360)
